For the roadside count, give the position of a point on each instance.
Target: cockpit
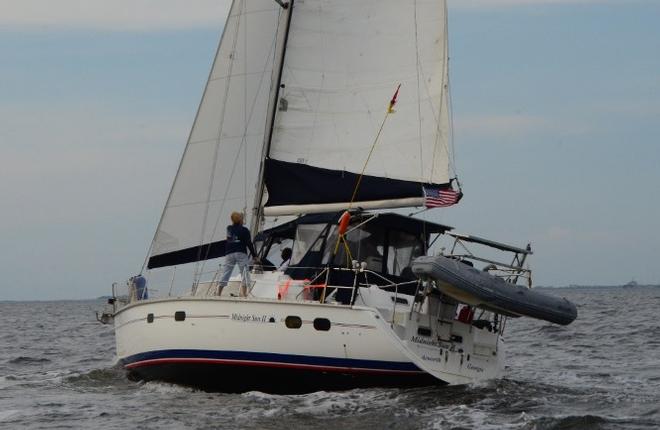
(382, 243)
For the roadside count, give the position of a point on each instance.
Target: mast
(257, 211)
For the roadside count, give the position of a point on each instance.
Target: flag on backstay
(390, 109)
(440, 198)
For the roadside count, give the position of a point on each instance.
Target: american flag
(440, 198)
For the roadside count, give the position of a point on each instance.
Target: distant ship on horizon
(631, 284)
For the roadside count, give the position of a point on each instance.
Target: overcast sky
(556, 109)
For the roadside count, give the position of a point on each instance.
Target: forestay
(343, 61)
(219, 169)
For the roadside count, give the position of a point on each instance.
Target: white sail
(219, 169)
(305, 90)
(343, 62)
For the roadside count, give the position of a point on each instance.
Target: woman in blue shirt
(238, 243)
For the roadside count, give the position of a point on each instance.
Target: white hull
(238, 344)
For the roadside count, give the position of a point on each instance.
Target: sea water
(57, 370)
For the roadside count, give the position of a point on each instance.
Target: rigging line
(418, 212)
(444, 95)
(178, 171)
(451, 134)
(450, 153)
(216, 150)
(419, 96)
(373, 146)
(388, 112)
(444, 87)
(341, 239)
(224, 199)
(371, 151)
(245, 113)
(322, 86)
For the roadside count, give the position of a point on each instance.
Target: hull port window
(293, 322)
(179, 316)
(322, 324)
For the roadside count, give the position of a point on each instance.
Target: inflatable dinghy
(479, 288)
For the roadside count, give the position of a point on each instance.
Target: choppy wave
(26, 361)
(10, 414)
(98, 378)
(583, 422)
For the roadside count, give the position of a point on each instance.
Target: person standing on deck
(238, 243)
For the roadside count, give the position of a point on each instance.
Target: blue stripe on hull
(265, 358)
(239, 371)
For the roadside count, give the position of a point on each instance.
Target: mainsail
(296, 96)
(218, 171)
(343, 61)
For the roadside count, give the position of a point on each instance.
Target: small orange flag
(393, 101)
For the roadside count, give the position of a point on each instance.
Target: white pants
(236, 258)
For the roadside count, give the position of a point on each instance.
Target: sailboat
(319, 119)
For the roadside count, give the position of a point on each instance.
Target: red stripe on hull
(250, 363)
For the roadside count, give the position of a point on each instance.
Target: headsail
(343, 61)
(218, 171)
